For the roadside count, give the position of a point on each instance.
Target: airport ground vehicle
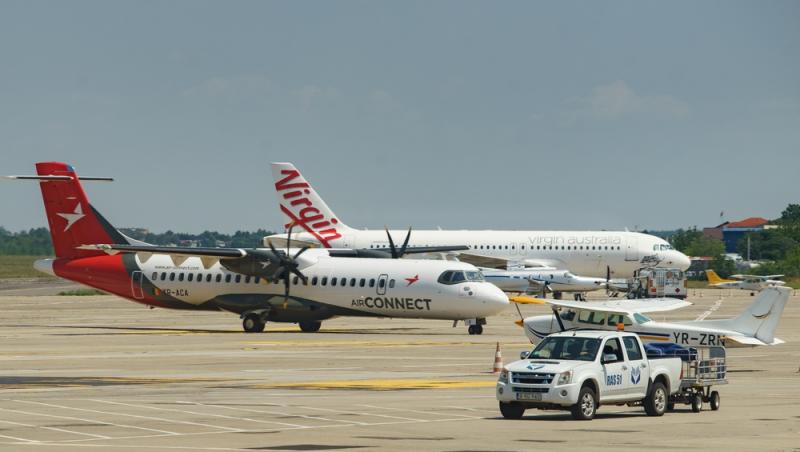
(658, 282)
(582, 370)
(702, 369)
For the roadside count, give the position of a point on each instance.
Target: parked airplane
(587, 253)
(755, 326)
(304, 286)
(753, 283)
(543, 282)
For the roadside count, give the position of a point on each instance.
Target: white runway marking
(331, 410)
(249, 410)
(103, 412)
(66, 417)
(162, 419)
(47, 428)
(416, 411)
(713, 308)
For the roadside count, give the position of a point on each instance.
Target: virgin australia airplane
(586, 253)
(304, 286)
(755, 326)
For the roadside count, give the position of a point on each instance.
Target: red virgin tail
(73, 221)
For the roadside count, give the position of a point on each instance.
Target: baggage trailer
(701, 370)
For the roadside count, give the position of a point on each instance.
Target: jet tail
(72, 220)
(302, 206)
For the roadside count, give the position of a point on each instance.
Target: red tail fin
(72, 220)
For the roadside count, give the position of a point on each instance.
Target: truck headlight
(503, 378)
(565, 378)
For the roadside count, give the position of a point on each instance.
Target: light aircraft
(317, 284)
(587, 253)
(753, 283)
(755, 326)
(543, 282)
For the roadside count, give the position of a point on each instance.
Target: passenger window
(612, 348)
(228, 278)
(333, 281)
(155, 276)
(314, 281)
(352, 282)
(180, 276)
(595, 318)
(190, 278)
(294, 280)
(219, 277)
(238, 279)
(163, 276)
(632, 348)
(247, 280)
(381, 283)
(362, 282)
(372, 282)
(391, 283)
(615, 319)
(256, 280)
(324, 280)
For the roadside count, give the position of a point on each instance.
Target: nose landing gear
(254, 321)
(475, 326)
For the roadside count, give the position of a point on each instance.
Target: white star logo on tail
(73, 217)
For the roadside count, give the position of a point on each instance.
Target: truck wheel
(310, 326)
(697, 403)
(586, 407)
(714, 400)
(655, 404)
(252, 323)
(512, 410)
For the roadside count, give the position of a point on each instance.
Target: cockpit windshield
(641, 318)
(460, 276)
(662, 247)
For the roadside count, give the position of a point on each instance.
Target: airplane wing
(624, 306)
(756, 277)
(179, 254)
(500, 263)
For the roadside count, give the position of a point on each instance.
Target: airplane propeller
(608, 280)
(286, 266)
(397, 254)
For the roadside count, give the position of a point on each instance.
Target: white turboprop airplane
(587, 253)
(304, 286)
(753, 283)
(541, 282)
(755, 326)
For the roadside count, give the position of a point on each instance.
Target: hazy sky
(523, 115)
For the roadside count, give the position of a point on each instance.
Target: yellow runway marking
(383, 385)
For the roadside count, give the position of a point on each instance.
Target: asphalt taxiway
(99, 372)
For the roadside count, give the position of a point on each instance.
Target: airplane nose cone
(682, 261)
(495, 299)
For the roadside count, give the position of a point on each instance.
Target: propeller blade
(391, 243)
(405, 243)
(286, 291)
(300, 275)
(289, 237)
(302, 250)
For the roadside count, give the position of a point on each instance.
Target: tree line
(37, 242)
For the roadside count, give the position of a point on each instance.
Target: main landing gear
(310, 326)
(475, 326)
(254, 321)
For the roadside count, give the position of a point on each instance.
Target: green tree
(769, 244)
(682, 238)
(703, 245)
(723, 266)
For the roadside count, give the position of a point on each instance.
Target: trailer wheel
(697, 403)
(714, 400)
(511, 410)
(655, 404)
(586, 407)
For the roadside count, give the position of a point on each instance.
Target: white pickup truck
(566, 371)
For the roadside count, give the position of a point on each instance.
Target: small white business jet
(542, 282)
(753, 283)
(755, 326)
(587, 253)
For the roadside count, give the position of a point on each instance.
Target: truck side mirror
(609, 358)
(524, 355)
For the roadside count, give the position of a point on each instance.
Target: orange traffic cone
(498, 361)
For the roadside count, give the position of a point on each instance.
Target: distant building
(731, 232)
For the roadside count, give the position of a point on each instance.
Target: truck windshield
(573, 348)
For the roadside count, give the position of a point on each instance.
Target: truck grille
(532, 378)
(518, 389)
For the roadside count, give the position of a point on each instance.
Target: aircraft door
(631, 248)
(136, 285)
(382, 282)
(637, 377)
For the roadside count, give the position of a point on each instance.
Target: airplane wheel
(471, 330)
(252, 323)
(478, 329)
(310, 326)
